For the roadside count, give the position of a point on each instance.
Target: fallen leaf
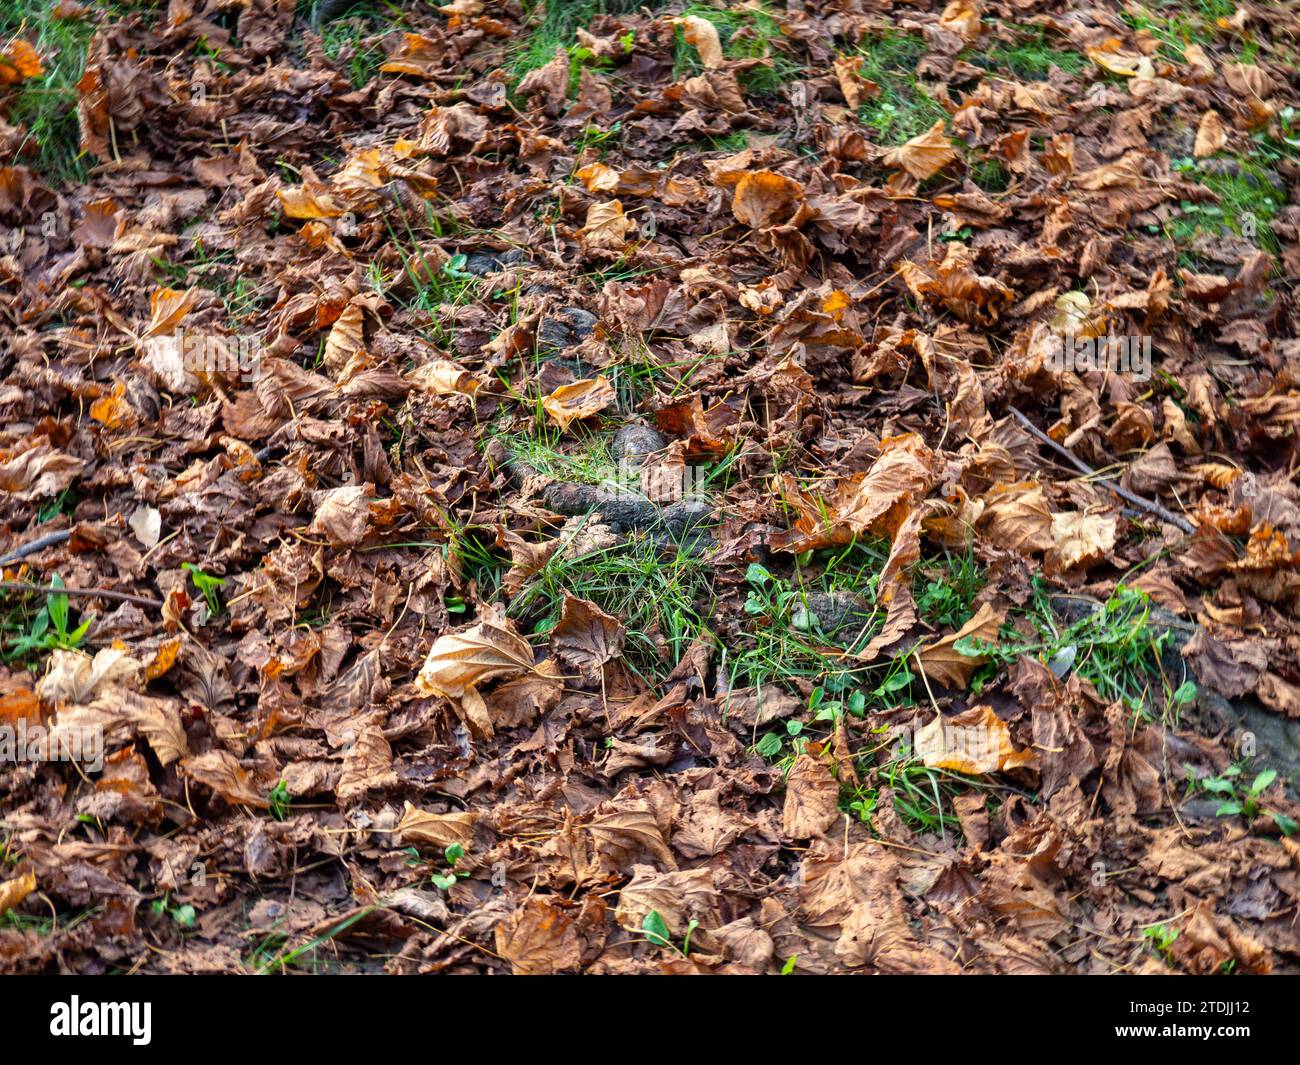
(943, 663)
(582, 399)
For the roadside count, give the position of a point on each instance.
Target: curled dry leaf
(221, 772)
(607, 227)
(1080, 540)
(442, 377)
(703, 35)
(460, 661)
(581, 399)
(12, 892)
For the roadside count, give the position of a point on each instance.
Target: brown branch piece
(100, 593)
(1078, 463)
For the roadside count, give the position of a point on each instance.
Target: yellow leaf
(962, 17)
(163, 660)
(975, 741)
(18, 62)
(114, 412)
(167, 307)
(12, 892)
(582, 399)
(598, 177)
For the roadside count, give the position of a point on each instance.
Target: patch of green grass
(585, 460)
(1178, 23)
(1114, 646)
(658, 591)
(47, 104)
(990, 175)
(1029, 59)
(273, 954)
(748, 32)
(1247, 201)
(902, 109)
(354, 40)
(555, 24)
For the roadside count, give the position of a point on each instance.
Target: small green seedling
(207, 586)
(656, 932)
(444, 881)
(279, 800)
(1244, 804)
(184, 916)
(49, 629)
(1162, 938)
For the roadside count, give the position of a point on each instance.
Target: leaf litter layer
(678, 488)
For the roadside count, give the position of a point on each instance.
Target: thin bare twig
(1145, 504)
(39, 544)
(98, 593)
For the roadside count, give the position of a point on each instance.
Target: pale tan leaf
(924, 155)
(1211, 135)
(943, 663)
(438, 830)
(460, 661)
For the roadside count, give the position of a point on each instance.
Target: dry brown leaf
(607, 227)
(460, 661)
(924, 155)
(943, 663)
(763, 198)
(585, 636)
(1211, 135)
(1080, 540)
(438, 830)
(812, 797)
(221, 771)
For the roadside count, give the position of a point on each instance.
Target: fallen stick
(1078, 463)
(101, 593)
(39, 544)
